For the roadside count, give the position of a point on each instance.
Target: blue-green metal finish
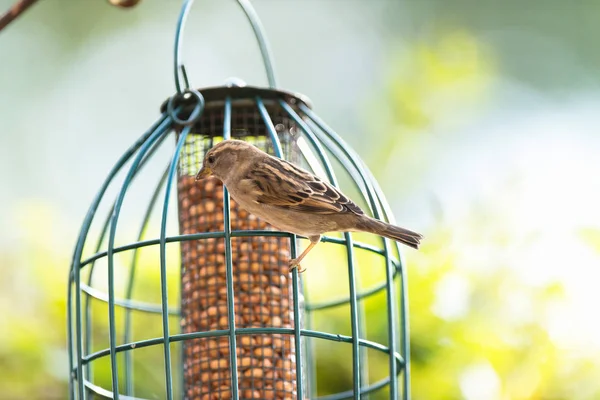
(257, 28)
(130, 305)
(229, 264)
(178, 64)
(101, 238)
(351, 159)
(163, 260)
(399, 360)
(74, 273)
(261, 39)
(192, 118)
(293, 253)
(131, 280)
(324, 142)
(405, 340)
(243, 331)
(297, 330)
(354, 321)
(221, 234)
(188, 94)
(110, 256)
(254, 331)
(374, 199)
(270, 127)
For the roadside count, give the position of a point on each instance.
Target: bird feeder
(243, 320)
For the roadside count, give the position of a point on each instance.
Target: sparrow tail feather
(393, 232)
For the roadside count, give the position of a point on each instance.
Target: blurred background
(480, 120)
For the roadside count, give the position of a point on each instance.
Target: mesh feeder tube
(262, 291)
(241, 317)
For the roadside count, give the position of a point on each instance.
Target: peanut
(261, 298)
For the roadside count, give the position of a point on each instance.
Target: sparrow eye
(211, 159)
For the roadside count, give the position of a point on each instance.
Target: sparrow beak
(203, 173)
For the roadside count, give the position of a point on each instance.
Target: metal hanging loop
(179, 69)
(187, 95)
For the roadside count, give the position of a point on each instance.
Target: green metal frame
(181, 112)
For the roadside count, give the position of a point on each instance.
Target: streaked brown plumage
(290, 198)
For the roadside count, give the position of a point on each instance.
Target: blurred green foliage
(491, 332)
(504, 326)
(476, 333)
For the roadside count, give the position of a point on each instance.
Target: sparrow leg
(295, 262)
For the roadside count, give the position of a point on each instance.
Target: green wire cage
(243, 327)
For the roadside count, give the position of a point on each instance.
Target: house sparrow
(290, 198)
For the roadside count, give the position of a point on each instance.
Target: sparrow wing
(280, 183)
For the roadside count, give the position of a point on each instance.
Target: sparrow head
(225, 158)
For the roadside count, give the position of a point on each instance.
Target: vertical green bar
(185, 10)
(354, 321)
(404, 323)
(71, 283)
(375, 198)
(270, 127)
(129, 387)
(297, 334)
(110, 255)
(229, 264)
(391, 315)
(405, 329)
(88, 302)
(353, 317)
(80, 388)
(74, 273)
(163, 262)
(295, 290)
(261, 39)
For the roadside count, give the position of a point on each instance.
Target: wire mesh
(261, 280)
(242, 312)
(239, 335)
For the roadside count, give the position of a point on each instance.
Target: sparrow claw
(293, 264)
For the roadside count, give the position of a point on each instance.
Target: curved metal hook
(179, 69)
(261, 39)
(185, 10)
